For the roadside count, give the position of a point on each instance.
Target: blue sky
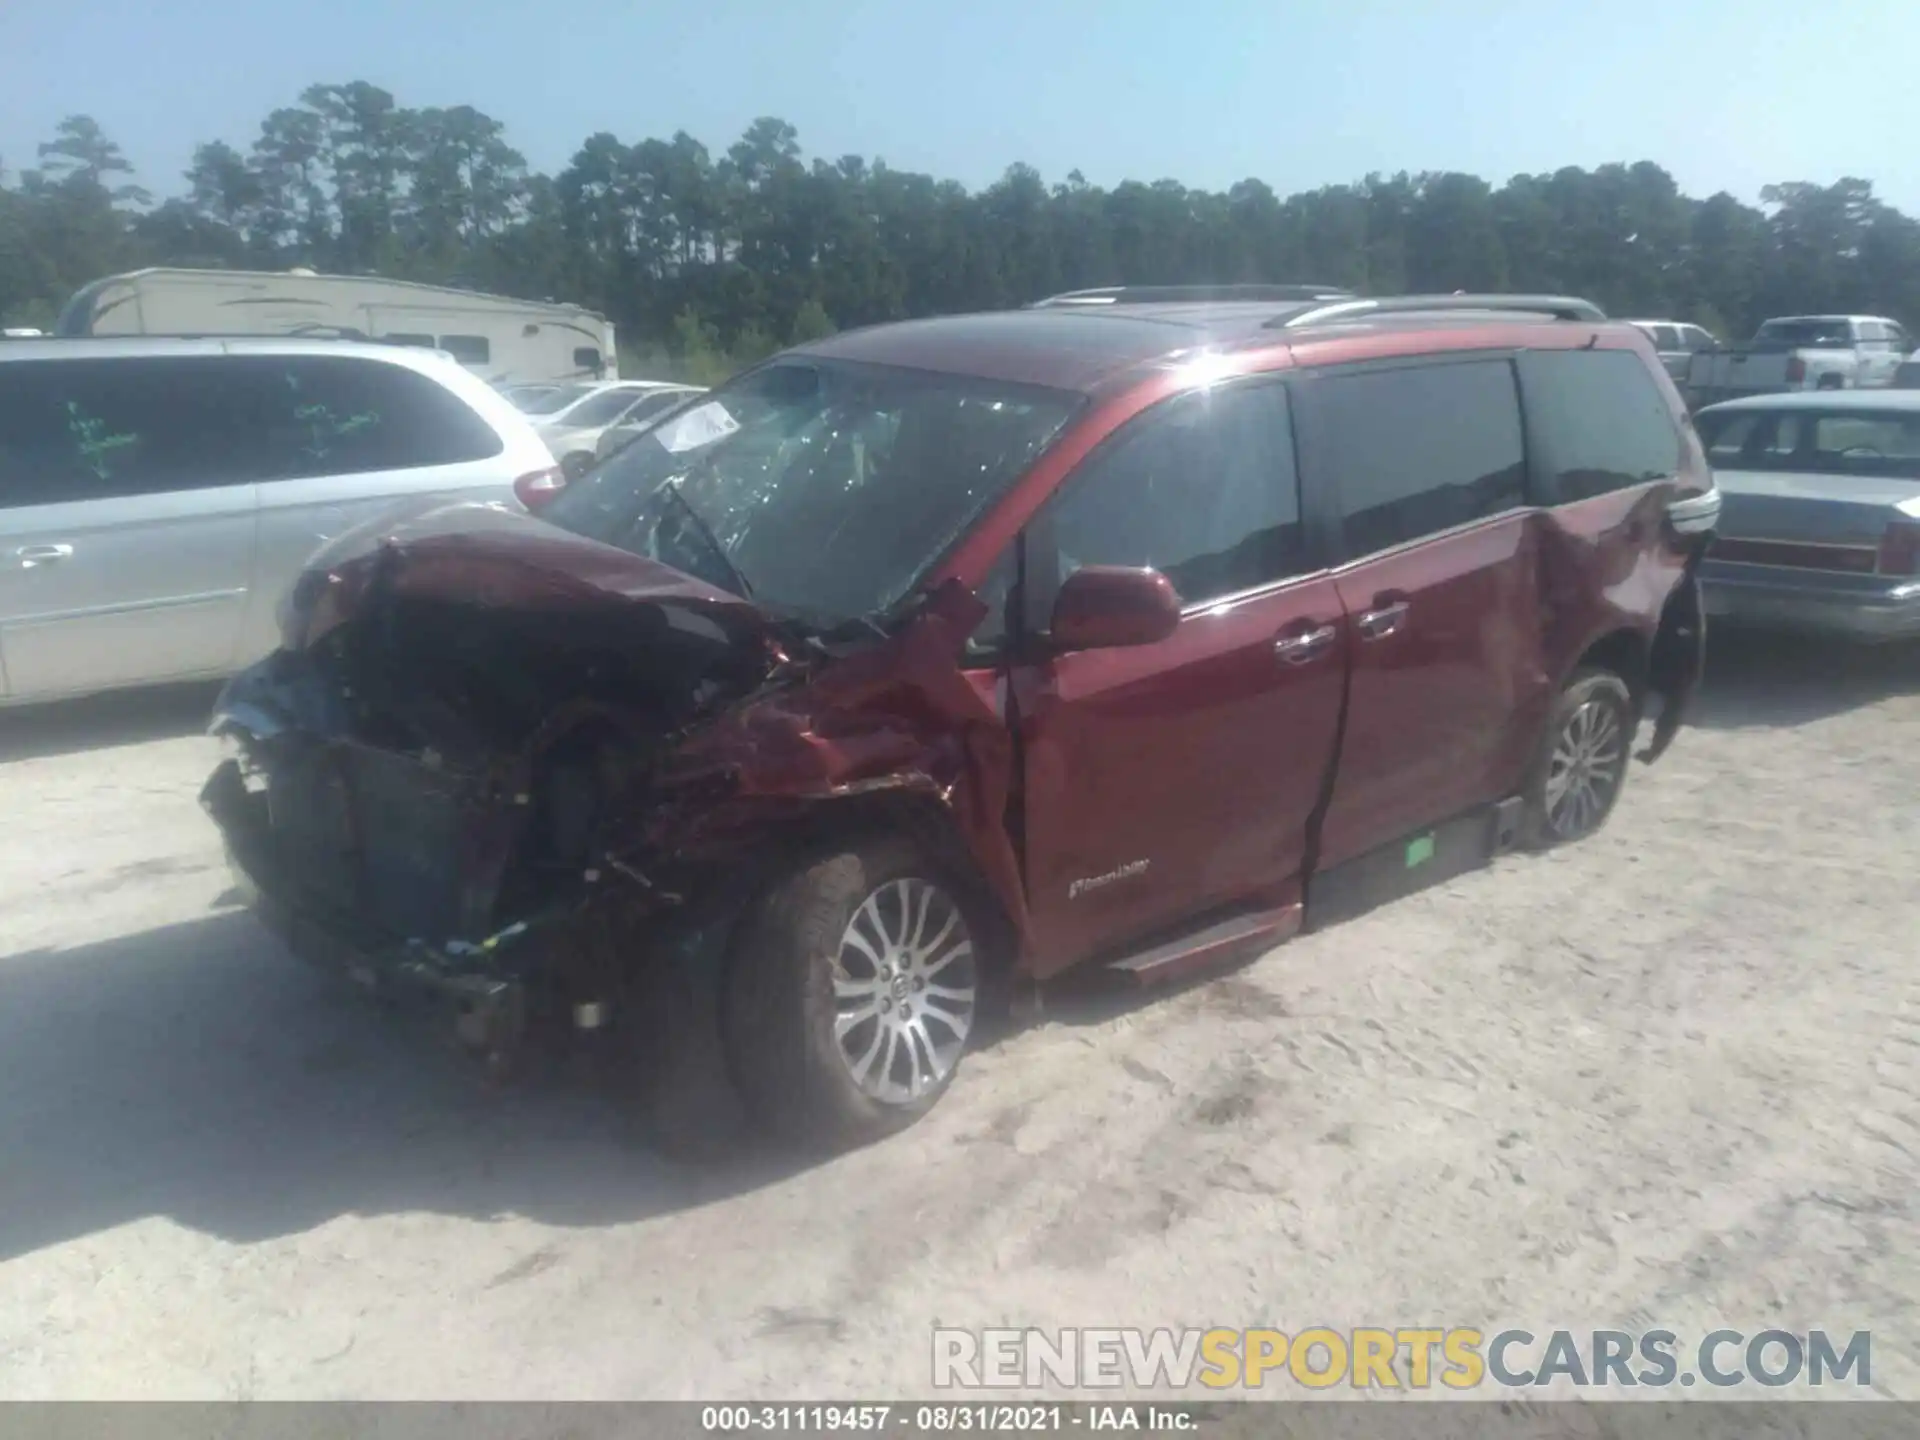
(1727, 94)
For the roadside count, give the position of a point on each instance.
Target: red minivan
(942, 656)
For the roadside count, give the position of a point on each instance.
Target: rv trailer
(503, 340)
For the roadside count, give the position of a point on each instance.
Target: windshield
(828, 490)
(1832, 333)
(545, 399)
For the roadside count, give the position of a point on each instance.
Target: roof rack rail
(1189, 295)
(1559, 307)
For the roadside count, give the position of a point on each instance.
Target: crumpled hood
(895, 714)
(489, 556)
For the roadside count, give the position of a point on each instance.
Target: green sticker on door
(1419, 851)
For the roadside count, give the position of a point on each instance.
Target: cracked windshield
(1001, 718)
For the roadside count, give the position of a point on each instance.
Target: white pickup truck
(1802, 352)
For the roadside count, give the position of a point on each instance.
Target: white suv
(158, 496)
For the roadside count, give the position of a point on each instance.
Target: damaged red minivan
(942, 656)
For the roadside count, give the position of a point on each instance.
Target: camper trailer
(502, 340)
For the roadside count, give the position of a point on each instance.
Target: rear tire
(854, 988)
(1580, 767)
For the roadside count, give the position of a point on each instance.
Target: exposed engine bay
(471, 769)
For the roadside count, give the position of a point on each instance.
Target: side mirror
(1103, 607)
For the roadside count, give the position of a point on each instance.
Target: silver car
(642, 418)
(1820, 512)
(158, 496)
(571, 434)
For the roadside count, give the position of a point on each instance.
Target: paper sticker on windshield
(700, 426)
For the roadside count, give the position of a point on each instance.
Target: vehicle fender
(894, 733)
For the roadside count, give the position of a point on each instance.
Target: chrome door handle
(1379, 623)
(1298, 649)
(31, 556)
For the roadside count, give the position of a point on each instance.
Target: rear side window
(1867, 437)
(1603, 424)
(1665, 337)
(1419, 450)
(339, 416)
(1743, 436)
(602, 409)
(99, 429)
(1201, 488)
(653, 405)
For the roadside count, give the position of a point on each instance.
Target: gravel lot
(1670, 1077)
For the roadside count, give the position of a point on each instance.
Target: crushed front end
(426, 780)
(531, 779)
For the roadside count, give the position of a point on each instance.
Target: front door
(127, 520)
(1169, 779)
(1439, 584)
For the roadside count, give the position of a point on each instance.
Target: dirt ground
(1668, 1077)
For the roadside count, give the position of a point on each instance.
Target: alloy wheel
(1583, 775)
(906, 986)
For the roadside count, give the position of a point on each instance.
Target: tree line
(714, 260)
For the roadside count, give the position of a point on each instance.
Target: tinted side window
(1422, 449)
(1602, 421)
(1202, 488)
(1748, 438)
(340, 416)
(652, 405)
(95, 429)
(1665, 337)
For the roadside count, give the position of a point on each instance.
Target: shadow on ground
(196, 1072)
(125, 717)
(1756, 679)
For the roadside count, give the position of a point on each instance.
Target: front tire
(854, 989)
(1581, 766)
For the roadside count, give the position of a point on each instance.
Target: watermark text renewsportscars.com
(1397, 1358)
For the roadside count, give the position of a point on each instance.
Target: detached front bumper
(1864, 608)
(477, 987)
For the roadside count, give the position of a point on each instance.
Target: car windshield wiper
(672, 487)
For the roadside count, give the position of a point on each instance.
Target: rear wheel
(1581, 766)
(853, 993)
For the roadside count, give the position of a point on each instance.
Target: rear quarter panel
(1609, 564)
